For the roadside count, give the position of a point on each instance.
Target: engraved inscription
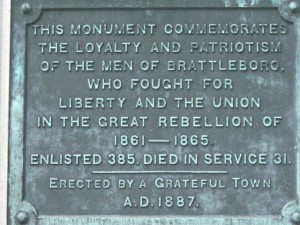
(160, 112)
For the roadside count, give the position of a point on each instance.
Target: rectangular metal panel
(154, 112)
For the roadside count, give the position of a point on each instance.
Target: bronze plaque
(154, 112)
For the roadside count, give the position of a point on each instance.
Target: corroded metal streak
(251, 3)
(160, 221)
(16, 121)
(297, 63)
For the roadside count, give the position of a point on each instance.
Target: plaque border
(24, 13)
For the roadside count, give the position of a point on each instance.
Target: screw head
(22, 217)
(26, 8)
(293, 6)
(295, 218)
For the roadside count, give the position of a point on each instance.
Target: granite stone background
(4, 90)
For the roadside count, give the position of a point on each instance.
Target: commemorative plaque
(154, 112)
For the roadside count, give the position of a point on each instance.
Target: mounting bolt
(295, 218)
(293, 6)
(26, 8)
(22, 217)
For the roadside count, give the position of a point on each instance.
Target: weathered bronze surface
(154, 112)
